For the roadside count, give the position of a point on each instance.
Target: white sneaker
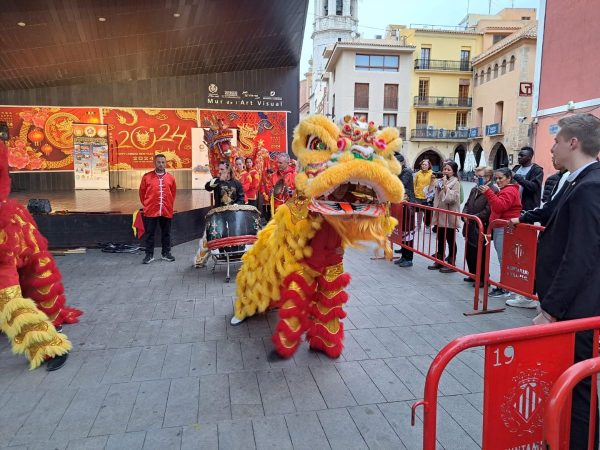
(235, 321)
(521, 302)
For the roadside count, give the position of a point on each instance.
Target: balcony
(443, 65)
(442, 102)
(493, 129)
(475, 133)
(438, 134)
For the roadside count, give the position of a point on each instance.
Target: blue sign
(492, 129)
(473, 132)
(553, 128)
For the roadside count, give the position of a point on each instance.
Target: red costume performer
(280, 185)
(32, 297)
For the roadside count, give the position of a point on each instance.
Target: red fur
(283, 351)
(333, 313)
(335, 339)
(295, 276)
(339, 283)
(338, 299)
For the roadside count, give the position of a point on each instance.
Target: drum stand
(227, 258)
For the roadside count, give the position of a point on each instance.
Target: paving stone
(386, 381)
(204, 358)
(275, 394)
(341, 430)
(306, 431)
(122, 365)
(236, 435)
(115, 409)
(177, 361)
(245, 395)
(362, 388)
(398, 416)
(200, 437)
(92, 443)
(335, 393)
(374, 428)
(192, 330)
(170, 331)
(150, 363)
(271, 433)
(162, 439)
(81, 413)
(149, 408)
(253, 354)
(214, 402)
(229, 356)
(182, 403)
(304, 390)
(370, 344)
(126, 441)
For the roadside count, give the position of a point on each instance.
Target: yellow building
(441, 91)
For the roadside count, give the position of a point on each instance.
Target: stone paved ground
(156, 365)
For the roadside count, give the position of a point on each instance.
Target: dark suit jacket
(568, 257)
(544, 212)
(476, 205)
(532, 186)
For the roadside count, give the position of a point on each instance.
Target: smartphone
(480, 181)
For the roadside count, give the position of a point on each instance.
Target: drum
(232, 221)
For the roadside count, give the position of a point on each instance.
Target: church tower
(335, 20)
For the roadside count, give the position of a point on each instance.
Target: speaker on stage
(39, 206)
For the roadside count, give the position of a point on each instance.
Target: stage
(87, 218)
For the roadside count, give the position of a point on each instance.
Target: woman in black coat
(477, 205)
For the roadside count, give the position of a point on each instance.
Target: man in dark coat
(408, 218)
(567, 269)
(529, 176)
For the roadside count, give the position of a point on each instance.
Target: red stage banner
(518, 258)
(518, 377)
(137, 134)
(41, 138)
(256, 129)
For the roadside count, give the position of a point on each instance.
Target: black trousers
(446, 235)
(427, 213)
(471, 257)
(580, 408)
(150, 224)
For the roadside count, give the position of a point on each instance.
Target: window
(402, 132)
(425, 56)
(482, 77)
(489, 74)
(463, 92)
(465, 56)
(461, 119)
(422, 119)
(511, 64)
(526, 18)
(361, 116)
(499, 112)
(325, 7)
(379, 63)
(479, 117)
(498, 37)
(495, 70)
(390, 96)
(361, 95)
(339, 7)
(389, 120)
(503, 67)
(476, 79)
(423, 88)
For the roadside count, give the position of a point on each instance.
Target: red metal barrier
(517, 272)
(554, 435)
(422, 245)
(521, 364)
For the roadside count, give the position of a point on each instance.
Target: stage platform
(87, 218)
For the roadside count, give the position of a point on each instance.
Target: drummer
(227, 189)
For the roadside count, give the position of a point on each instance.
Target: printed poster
(90, 156)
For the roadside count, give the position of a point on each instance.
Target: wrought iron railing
(443, 64)
(443, 102)
(439, 133)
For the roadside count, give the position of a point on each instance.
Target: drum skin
(232, 220)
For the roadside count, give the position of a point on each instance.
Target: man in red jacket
(281, 184)
(157, 194)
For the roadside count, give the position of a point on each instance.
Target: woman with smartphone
(477, 205)
(447, 197)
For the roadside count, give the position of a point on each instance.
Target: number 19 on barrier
(504, 357)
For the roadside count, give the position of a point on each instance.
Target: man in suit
(567, 268)
(529, 176)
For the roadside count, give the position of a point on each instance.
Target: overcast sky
(375, 15)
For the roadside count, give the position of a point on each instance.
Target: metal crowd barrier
(521, 366)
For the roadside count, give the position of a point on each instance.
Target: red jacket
(505, 204)
(289, 176)
(250, 180)
(157, 194)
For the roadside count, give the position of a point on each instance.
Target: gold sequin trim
(332, 272)
(19, 312)
(41, 326)
(7, 294)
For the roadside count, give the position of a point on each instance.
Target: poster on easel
(90, 156)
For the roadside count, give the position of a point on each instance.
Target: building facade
(370, 78)
(566, 64)
(335, 20)
(502, 95)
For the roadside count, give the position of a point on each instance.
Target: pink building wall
(570, 53)
(569, 67)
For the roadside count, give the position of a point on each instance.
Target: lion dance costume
(31, 293)
(346, 179)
